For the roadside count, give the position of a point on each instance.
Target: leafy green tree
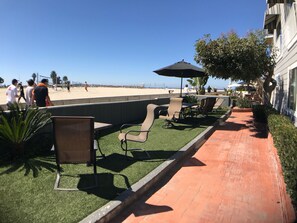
(34, 76)
(1, 80)
(54, 77)
(248, 58)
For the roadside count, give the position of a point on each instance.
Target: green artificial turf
(27, 193)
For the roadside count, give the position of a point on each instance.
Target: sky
(114, 42)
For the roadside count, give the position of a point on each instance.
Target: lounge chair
(173, 112)
(206, 106)
(138, 135)
(73, 144)
(218, 104)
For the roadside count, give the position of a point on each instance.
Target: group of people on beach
(34, 93)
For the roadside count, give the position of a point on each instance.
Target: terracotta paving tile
(233, 177)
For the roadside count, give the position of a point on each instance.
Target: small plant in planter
(18, 126)
(190, 99)
(261, 112)
(243, 103)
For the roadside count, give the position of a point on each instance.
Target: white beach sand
(94, 92)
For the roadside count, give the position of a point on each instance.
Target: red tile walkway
(233, 177)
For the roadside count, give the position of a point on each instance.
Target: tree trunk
(268, 86)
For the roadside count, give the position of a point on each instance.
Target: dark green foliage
(261, 112)
(18, 126)
(284, 135)
(243, 103)
(231, 56)
(248, 58)
(190, 99)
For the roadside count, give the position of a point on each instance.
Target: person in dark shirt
(41, 94)
(22, 93)
(68, 86)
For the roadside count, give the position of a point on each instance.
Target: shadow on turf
(106, 185)
(34, 165)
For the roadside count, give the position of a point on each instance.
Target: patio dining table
(98, 126)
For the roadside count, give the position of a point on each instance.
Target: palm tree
(54, 77)
(65, 79)
(34, 76)
(198, 83)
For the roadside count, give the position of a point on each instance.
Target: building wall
(286, 46)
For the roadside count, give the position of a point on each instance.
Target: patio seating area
(237, 176)
(234, 177)
(31, 191)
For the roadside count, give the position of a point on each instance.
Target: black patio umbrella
(181, 69)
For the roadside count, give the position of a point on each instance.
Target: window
(292, 89)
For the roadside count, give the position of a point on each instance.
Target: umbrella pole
(181, 87)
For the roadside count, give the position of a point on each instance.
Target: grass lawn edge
(126, 198)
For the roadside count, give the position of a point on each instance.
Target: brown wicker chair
(74, 143)
(138, 135)
(173, 112)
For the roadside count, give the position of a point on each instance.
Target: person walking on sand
(22, 93)
(86, 86)
(186, 89)
(40, 94)
(68, 86)
(29, 92)
(12, 92)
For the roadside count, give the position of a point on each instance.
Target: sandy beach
(94, 92)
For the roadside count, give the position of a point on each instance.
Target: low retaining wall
(107, 99)
(115, 113)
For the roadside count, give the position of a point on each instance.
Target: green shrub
(284, 135)
(190, 99)
(261, 112)
(243, 103)
(18, 126)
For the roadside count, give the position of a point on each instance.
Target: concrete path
(234, 177)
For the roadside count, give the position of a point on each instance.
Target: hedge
(284, 135)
